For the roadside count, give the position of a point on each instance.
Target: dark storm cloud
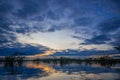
(85, 21)
(115, 5)
(109, 25)
(52, 15)
(5, 7)
(100, 39)
(31, 7)
(5, 32)
(6, 38)
(115, 38)
(108, 32)
(28, 49)
(111, 28)
(38, 18)
(28, 16)
(4, 23)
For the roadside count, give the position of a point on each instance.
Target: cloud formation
(80, 23)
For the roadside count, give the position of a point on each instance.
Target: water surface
(36, 70)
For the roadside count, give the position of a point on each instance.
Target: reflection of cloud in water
(42, 66)
(43, 71)
(79, 76)
(81, 72)
(22, 72)
(101, 76)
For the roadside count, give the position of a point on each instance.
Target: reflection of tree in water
(29, 69)
(38, 68)
(103, 61)
(12, 63)
(25, 72)
(59, 61)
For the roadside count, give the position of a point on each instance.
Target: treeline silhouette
(61, 60)
(12, 62)
(16, 60)
(103, 61)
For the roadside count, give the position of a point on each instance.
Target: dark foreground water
(30, 70)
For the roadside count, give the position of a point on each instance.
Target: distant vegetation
(13, 62)
(104, 61)
(16, 59)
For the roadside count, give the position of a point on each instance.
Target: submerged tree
(13, 62)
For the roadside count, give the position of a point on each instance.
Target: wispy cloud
(59, 24)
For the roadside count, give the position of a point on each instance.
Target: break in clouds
(41, 25)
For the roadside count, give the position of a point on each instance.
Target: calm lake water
(30, 70)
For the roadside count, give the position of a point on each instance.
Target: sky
(35, 26)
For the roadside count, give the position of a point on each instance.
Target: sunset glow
(42, 66)
(59, 39)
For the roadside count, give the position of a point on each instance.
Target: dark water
(30, 70)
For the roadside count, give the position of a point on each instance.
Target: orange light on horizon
(46, 53)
